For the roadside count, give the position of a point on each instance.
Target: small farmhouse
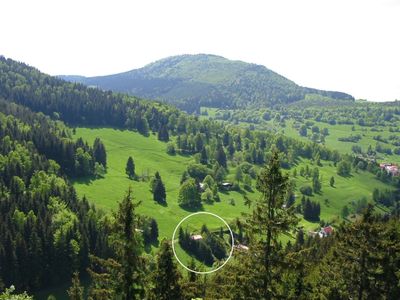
(226, 185)
(390, 168)
(196, 237)
(323, 232)
(242, 247)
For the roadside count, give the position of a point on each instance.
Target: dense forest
(49, 235)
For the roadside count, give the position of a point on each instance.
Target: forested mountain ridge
(191, 81)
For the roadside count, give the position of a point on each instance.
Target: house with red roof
(390, 168)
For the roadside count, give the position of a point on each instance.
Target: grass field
(150, 156)
(345, 190)
(331, 141)
(342, 130)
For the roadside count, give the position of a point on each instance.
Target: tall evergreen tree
(128, 247)
(122, 276)
(130, 168)
(163, 134)
(220, 155)
(167, 277)
(267, 222)
(99, 152)
(332, 181)
(159, 193)
(75, 292)
(203, 156)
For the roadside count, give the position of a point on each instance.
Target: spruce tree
(332, 181)
(99, 152)
(167, 277)
(122, 276)
(203, 156)
(75, 292)
(220, 156)
(159, 193)
(130, 168)
(268, 221)
(163, 134)
(128, 247)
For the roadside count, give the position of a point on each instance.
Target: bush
(198, 171)
(171, 149)
(306, 190)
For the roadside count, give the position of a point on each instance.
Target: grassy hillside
(149, 156)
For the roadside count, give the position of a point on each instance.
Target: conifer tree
(159, 193)
(128, 248)
(130, 168)
(267, 222)
(332, 181)
(167, 277)
(122, 276)
(99, 152)
(75, 292)
(203, 156)
(220, 156)
(163, 134)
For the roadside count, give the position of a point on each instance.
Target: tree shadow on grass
(87, 180)
(147, 247)
(192, 209)
(163, 204)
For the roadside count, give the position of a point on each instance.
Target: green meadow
(150, 156)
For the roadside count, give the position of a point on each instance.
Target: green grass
(150, 156)
(342, 130)
(345, 190)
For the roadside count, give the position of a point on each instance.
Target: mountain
(191, 81)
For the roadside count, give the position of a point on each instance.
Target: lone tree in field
(158, 189)
(130, 168)
(332, 181)
(268, 221)
(167, 276)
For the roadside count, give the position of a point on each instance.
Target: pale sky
(346, 45)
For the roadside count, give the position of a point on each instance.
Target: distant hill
(191, 81)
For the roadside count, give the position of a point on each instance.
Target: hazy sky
(346, 45)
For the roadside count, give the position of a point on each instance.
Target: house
(227, 185)
(196, 237)
(325, 231)
(202, 186)
(242, 247)
(390, 168)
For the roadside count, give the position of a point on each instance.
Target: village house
(196, 237)
(390, 168)
(241, 247)
(227, 185)
(323, 232)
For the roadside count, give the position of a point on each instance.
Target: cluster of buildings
(390, 168)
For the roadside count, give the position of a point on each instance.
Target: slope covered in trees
(191, 81)
(47, 233)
